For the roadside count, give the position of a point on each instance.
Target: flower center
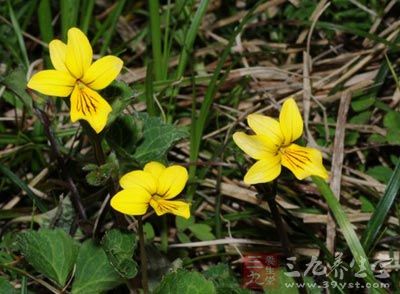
(156, 197)
(80, 84)
(86, 103)
(162, 205)
(296, 158)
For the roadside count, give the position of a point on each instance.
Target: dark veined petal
(89, 105)
(303, 161)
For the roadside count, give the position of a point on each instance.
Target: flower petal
(162, 206)
(266, 126)
(303, 161)
(57, 55)
(79, 53)
(131, 201)
(89, 105)
(256, 146)
(290, 121)
(139, 178)
(155, 168)
(171, 181)
(263, 171)
(102, 72)
(52, 82)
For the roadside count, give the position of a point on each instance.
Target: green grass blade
(167, 42)
(347, 229)
(45, 19)
(86, 16)
(392, 70)
(155, 33)
(18, 32)
(112, 22)
(23, 186)
(381, 211)
(149, 93)
(190, 37)
(69, 15)
(336, 27)
(196, 136)
(24, 14)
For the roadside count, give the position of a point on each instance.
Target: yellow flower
(272, 147)
(155, 185)
(76, 75)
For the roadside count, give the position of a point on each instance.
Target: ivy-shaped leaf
(94, 273)
(119, 247)
(50, 252)
(122, 95)
(202, 232)
(99, 175)
(158, 138)
(117, 135)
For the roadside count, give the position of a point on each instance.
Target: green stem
(111, 185)
(143, 257)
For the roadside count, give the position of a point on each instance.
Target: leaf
(158, 138)
(148, 231)
(362, 103)
(183, 238)
(123, 125)
(366, 205)
(351, 138)
(376, 138)
(94, 273)
(119, 247)
(61, 217)
(185, 282)
(50, 252)
(393, 136)
(381, 173)
(223, 279)
(202, 232)
(183, 223)
(392, 122)
(99, 175)
(361, 118)
(122, 95)
(12, 99)
(16, 83)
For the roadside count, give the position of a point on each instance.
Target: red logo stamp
(260, 270)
